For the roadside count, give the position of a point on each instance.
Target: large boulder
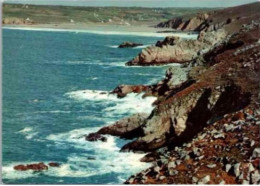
(95, 137)
(126, 128)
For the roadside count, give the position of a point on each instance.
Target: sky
(138, 3)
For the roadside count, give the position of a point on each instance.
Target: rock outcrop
(95, 137)
(196, 23)
(218, 88)
(229, 18)
(122, 90)
(129, 45)
(177, 50)
(129, 127)
(35, 167)
(222, 153)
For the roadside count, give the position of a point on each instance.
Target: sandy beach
(107, 29)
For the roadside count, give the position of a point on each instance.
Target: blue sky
(142, 3)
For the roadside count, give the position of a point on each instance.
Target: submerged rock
(129, 45)
(54, 164)
(95, 137)
(35, 167)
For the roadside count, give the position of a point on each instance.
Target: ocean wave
(144, 34)
(28, 132)
(107, 157)
(8, 172)
(132, 103)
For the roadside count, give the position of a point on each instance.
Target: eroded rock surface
(177, 50)
(126, 128)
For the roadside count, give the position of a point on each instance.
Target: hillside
(36, 14)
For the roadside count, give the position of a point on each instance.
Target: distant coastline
(141, 30)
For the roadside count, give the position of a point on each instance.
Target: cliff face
(205, 127)
(181, 51)
(197, 124)
(228, 17)
(214, 26)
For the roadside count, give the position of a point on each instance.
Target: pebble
(236, 169)
(256, 153)
(194, 179)
(222, 182)
(156, 169)
(251, 168)
(162, 177)
(171, 165)
(178, 162)
(173, 172)
(201, 157)
(211, 166)
(245, 182)
(228, 167)
(204, 180)
(255, 177)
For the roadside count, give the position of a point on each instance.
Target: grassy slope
(63, 14)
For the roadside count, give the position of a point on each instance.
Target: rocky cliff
(213, 28)
(205, 127)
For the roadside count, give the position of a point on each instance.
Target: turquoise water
(51, 97)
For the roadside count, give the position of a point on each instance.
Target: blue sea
(55, 90)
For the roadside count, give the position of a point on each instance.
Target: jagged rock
(129, 45)
(35, 167)
(126, 128)
(122, 90)
(169, 40)
(173, 23)
(181, 52)
(95, 137)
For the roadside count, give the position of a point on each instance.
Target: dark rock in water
(129, 45)
(91, 158)
(36, 167)
(123, 90)
(54, 164)
(126, 128)
(95, 137)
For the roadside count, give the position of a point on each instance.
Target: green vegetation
(65, 14)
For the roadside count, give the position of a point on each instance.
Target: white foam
(144, 34)
(132, 103)
(28, 132)
(8, 172)
(107, 156)
(96, 95)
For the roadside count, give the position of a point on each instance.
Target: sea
(56, 86)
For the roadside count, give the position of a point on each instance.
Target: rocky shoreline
(205, 128)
